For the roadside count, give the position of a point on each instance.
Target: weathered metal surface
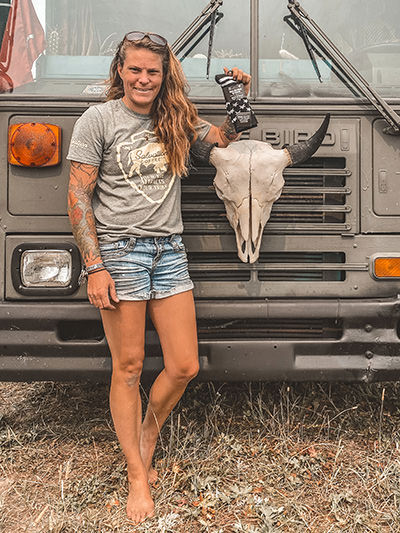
(364, 347)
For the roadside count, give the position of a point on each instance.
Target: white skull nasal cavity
(248, 180)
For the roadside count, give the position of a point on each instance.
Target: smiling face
(142, 76)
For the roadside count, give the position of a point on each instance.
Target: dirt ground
(248, 457)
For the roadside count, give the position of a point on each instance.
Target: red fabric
(26, 42)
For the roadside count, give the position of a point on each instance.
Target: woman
(127, 156)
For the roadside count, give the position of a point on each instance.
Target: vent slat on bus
(261, 328)
(271, 266)
(269, 329)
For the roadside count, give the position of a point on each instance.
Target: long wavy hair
(174, 116)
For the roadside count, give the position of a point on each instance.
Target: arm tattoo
(228, 130)
(81, 187)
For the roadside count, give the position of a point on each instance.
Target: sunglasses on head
(134, 36)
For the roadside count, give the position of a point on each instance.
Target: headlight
(46, 268)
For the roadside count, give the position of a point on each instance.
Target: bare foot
(140, 504)
(147, 445)
(152, 475)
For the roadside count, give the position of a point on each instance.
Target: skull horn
(300, 152)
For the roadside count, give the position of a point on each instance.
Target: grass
(248, 457)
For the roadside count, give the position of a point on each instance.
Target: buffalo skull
(249, 179)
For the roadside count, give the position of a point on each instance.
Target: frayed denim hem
(155, 295)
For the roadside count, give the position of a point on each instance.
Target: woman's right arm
(80, 192)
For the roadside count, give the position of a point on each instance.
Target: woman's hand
(101, 290)
(239, 75)
(226, 133)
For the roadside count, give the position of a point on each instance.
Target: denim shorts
(144, 268)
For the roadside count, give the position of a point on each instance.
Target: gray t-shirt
(135, 193)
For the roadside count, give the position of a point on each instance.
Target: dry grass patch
(259, 457)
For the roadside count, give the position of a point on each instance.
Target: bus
(322, 301)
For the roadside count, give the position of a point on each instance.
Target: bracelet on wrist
(87, 270)
(97, 270)
(91, 268)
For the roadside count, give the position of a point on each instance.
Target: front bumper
(64, 341)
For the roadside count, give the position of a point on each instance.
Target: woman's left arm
(225, 134)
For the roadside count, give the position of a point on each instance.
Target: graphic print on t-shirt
(144, 166)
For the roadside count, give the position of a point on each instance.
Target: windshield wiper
(317, 42)
(198, 29)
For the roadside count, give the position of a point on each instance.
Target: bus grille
(314, 200)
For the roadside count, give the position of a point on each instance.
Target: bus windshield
(367, 33)
(63, 48)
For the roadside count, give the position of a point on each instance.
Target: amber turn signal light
(387, 267)
(34, 144)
